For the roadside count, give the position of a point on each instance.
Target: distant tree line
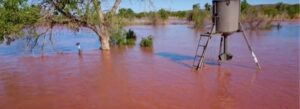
(262, 16)
(20, 18)
(259, 15)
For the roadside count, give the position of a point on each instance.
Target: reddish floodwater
(158, 78)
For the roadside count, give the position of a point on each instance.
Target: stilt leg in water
(249, 47)
(220, 50)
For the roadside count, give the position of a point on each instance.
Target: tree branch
(99, 12)
(69, 15)
(115, 7)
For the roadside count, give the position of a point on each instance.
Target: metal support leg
(249, 46)
(220, 50)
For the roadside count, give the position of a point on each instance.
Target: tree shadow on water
(178, 58)
(181, 59)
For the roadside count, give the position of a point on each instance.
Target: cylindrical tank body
(226, 15)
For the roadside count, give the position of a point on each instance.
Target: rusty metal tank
(226, 15)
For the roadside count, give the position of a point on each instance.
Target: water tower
(225, 22)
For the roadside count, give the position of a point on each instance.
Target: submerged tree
(82, 13)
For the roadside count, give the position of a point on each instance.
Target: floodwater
(158, 78)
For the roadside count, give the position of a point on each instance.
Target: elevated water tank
(226, 15)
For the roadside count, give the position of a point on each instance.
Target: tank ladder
(201, 50)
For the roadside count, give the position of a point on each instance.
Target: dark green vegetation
(131, 35)
(147, 41)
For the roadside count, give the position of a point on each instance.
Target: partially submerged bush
(130, 35)
(147, 42)
(130, 42)
(122, 37)
(118, 38)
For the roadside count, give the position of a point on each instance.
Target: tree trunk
(103, 31)
(103, 38)
(105, 42)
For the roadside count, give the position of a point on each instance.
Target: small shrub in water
(130, 42)
(118, 38)
(123, 38)
(147, 42)
(130, 35)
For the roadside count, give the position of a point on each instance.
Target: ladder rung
(206, 35)
(201, 45)
(198, 56)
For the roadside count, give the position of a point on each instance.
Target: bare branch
(115, 7)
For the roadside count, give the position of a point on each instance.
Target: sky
(174, 5)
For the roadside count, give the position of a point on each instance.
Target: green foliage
(130, 35)
(293, 11)
(164, 15)
(158, 17)
(244, 6)
(15, 16)
(262, 16)
(179, 14)
(207, 7)
(123, 37)
(118, 38)
(130, 42)
(126, 13)
(154, 18)
(270, 11)
(280, 7)
(147, 42)
(197, 16)
(140, 15)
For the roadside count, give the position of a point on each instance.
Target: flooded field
(158, 78)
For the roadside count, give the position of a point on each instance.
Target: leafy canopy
(16, 15)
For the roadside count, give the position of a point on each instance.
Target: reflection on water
(224, 98)
(157, 78)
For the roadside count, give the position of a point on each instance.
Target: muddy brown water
(158, 78)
